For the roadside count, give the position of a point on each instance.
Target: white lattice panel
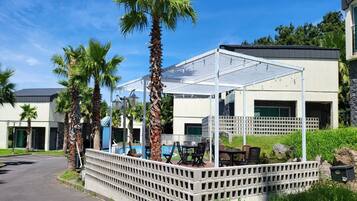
(259, 125)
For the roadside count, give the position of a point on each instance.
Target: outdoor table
(232, 153)
(189, 150)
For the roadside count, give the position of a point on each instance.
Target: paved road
(33, 178)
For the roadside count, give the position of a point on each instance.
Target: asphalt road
(33, 178)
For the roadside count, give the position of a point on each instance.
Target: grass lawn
(8, 152)
(73, 178)
(322, 192)
(320, 142)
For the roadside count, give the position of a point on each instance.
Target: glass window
(266, 111)
(193, 129)
(354, 28)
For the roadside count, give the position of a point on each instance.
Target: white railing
(258, 125)
(127, 178)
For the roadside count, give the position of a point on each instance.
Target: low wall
(127, 178)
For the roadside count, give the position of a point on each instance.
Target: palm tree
(28, 113)
(161, 13)
(102, 71)
(69, 66)
(6, 87)
(63, 105)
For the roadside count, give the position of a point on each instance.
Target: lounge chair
(168, 156)
(132, 152)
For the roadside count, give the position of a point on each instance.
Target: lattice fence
(127, 178)
(259, 125)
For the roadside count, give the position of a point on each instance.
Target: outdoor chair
(246, 149)
(198, 155)
(168, 156)
(254, 153)
(224, 159)
(183, 156)
(253, 157)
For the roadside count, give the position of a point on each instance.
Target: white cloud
(32, 61)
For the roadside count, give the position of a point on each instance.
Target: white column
(111, 120)
(303, 118)
(244, 118)
(47, 136)
(143, 130)
(210, 128)
(216, 116)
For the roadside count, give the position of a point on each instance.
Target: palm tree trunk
(155, 89)
(75, 127)
(65, 132)
(29, 135)
(96, 115)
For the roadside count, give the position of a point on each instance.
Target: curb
(82, 189)
(6, 156)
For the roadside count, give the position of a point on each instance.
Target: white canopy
(197, 75)
(218, 71)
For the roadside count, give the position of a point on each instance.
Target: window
(354, 31)
(266, 111)
(193, 129)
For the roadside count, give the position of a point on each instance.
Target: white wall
(321, 85)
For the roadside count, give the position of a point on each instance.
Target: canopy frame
(216, 83)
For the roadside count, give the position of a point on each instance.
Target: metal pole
(111, 120)
(143, 132)
(244, 118)
(216, 117)
(210, 128)
(303, 118)
(124, 125)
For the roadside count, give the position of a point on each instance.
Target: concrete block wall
(127, 178)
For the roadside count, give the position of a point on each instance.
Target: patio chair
(254, 153)
(168, 156)
(224, 159)
(183, 156)
(197, 157)
(246, 149)
(253, 158)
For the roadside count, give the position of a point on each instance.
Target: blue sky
(33, 30)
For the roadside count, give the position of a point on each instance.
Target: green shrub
(324, 142)
(321, 192)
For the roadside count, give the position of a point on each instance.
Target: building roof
(37, 95)
(346, 4)
(285, 51)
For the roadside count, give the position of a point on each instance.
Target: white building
(350, 6)
(47, 131)
(277, 98)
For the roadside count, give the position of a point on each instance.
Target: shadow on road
(3, 171)
(19, 163)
